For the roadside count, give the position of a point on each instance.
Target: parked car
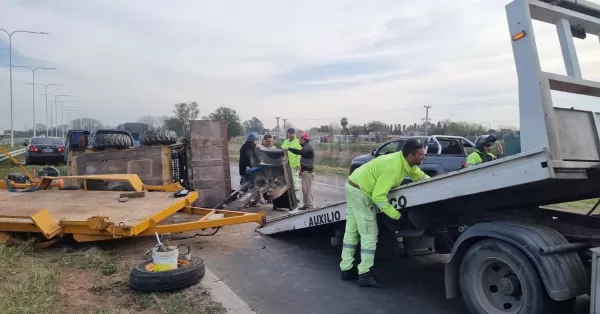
(45, 151)
(443, 153)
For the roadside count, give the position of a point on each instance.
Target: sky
(311, 62)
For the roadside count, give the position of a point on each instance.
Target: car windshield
(46, 141)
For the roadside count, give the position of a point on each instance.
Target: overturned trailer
(509, 253)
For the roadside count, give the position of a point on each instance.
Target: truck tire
(111, 140)
(496, 277)
(158, 137)
(143, 279)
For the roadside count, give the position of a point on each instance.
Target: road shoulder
(221, 293)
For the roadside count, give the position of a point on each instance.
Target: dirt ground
(79, 278)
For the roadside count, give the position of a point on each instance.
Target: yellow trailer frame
(100, 215)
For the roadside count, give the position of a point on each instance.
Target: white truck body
(559, 162)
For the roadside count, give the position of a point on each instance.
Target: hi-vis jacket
(293, 158)
(377, 177)
(477, 157)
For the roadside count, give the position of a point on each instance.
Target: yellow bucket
(164, 261)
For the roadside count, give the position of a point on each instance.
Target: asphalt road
(298, 272)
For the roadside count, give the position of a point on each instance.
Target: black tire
(144, 280)
(70, 188)
(123, 187)
(111, 140)
(95, 185)
(158, 137)
(483, 267)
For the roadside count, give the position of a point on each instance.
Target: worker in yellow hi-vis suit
(367, 186)
(482, 154)
(293, 142)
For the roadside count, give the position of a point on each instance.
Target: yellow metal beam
(133, 179)
(230, 218)
(168, 187)
(16, 185)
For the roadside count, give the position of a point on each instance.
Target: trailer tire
(70, 188)
(124, 187)
(143, 279)
(158, 137)
(491, 269)
(111, 140)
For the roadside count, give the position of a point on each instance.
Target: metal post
(47, 125)
(595, 281)
(12, 134)
(426, 118)
(567, 46)
(33, 101)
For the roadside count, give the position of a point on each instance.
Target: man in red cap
(307, 168)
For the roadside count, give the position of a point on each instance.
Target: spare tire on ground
(111, 140)
(143, 278)
(158, 137)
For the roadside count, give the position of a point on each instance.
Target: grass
(91, 259)
(30, 282)
(7, 167)
(27, 284)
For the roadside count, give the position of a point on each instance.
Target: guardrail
(13, 153)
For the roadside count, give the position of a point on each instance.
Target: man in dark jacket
(307, 168)
(248, 157)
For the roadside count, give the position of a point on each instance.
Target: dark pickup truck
(443, 153)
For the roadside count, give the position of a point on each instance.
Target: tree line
(183, 113)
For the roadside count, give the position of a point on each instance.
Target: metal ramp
(560, 159)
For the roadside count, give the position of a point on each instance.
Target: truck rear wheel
(496, 277)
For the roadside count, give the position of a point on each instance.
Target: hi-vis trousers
(361, 224)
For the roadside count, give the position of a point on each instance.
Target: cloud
(311, 62)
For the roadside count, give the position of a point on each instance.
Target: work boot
(350, 274)
(368, 280)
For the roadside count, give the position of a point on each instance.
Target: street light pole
(33, 84)
(46, 93)
(12, 133)
(55, 113)
(62, 114)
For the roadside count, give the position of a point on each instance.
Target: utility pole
(427, 107)
(278, 126)
(284, 124)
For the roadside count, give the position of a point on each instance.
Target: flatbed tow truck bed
(523, 180)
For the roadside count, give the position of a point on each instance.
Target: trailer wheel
(496, 277)
(188, 273)
(158, 137)
(111, 140)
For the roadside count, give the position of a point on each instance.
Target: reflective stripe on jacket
(377, 177)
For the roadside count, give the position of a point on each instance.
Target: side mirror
(374, 152)
(24, 143)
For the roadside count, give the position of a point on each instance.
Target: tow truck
(512, 254)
